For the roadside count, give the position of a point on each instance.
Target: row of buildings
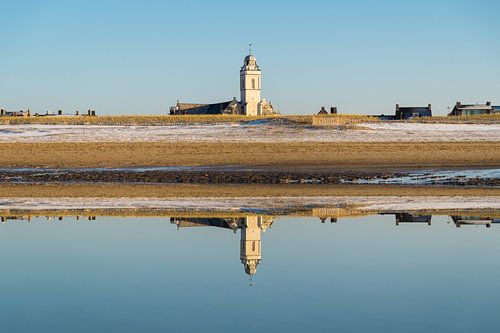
(252, 104)
(409, 112)
(27, 113)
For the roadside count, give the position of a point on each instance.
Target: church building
(250, 104)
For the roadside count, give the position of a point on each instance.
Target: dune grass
(342, 119)
(478, 119)
(158, 120)
(307, 120)
(147, 120)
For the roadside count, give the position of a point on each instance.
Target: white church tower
(250, 76)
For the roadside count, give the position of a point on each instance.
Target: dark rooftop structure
(413, 112)
(408, 112)
(322, 111)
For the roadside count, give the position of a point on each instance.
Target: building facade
(409, 112)
(250, 76)
(473, 109)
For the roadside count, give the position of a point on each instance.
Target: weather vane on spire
(250, 50)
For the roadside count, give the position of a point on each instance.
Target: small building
(473, 109)
(385, 117)
(413, 112)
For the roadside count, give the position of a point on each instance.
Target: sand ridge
(343, 156)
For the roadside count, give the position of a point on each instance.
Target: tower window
(253, 83)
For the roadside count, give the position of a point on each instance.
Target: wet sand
(232, 175)
(342, 156)
(199, 190)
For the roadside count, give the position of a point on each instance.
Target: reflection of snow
(254, 204)
(253, 132)
(424, 177)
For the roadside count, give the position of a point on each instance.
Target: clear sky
(139, 57)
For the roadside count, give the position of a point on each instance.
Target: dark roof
(192, 108)
(226, 223)
(413, 108)
(474, 107)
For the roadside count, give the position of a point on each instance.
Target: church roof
(194, 108)
(250, 63)
(249, 58)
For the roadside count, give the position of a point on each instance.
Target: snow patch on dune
(257, 132)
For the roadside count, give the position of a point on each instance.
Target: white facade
(250, 86)
(250, 250)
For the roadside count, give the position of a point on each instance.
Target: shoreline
(319, 206)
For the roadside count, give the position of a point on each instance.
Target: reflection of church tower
(250, 241)
(250, 254)
(250, 85)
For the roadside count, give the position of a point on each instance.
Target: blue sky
(139, 57)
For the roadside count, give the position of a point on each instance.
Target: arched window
(253, 246)
(253, 83)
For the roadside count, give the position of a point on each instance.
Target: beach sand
(341, 156)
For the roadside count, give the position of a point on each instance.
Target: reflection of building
(5, 219)
(251, 232)
(412, 218)
(474, 220)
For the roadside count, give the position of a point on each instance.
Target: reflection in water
(252, 226)
(474, 220)
(251, 234)
(412, 218)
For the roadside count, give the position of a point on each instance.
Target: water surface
(380, 273)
